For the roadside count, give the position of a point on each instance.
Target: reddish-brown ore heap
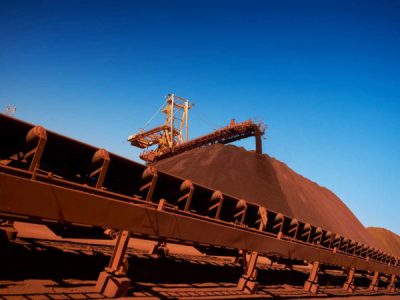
(389, 240)
(269, 182)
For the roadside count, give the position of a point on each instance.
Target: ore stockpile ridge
(386, 238)
(267, 182)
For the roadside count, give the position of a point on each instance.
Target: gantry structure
(173, 132)
(172, 137)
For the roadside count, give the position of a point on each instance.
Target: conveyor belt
(229, 134)
(46, 177)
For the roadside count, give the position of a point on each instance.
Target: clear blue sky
(324, 76)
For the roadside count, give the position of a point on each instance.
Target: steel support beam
(392, 284)
(248, 282)
(311, 284)
(349, 284)
(374, 285)
(113, 282)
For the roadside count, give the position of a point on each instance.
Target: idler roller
(186, 189)
(306, 231)
(216, 203)
(150, 177)
(187, 185)
(240, 210)
(318, 235)
(149, 172)
(262, 218)
(293, 227)
(241, 205)
(278, 222)
(216, 196)
(337, 240)
(35, 134)
(364, 250)
(352, 246)
(100, 156)
(344, 244)
(327, 238)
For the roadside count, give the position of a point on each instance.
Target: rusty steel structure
(49, 178)
(175, 130)
(172, 138)
(231, 133)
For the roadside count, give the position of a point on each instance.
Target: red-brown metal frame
(145, 202)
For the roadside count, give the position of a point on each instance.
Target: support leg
(248, 281)
(112, 282)
(258, 142)
(349, 284)
(374, 283)
(311, 285)
(392, 284)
